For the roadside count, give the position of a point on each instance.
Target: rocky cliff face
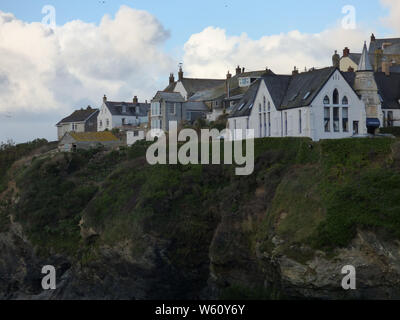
(139, 232)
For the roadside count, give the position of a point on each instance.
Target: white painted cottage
(319, 104)
(122, 115)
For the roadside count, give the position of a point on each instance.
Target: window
(264, 103)
(259, 108)
(260, 118)
(300, 124)
(306, 95)
(155, 109)
(172, 108)
(269, 124)
(244, 82)
(286, 124)
(188, 115)
(123, 109)
(265, 124)
(326, 100)
(241, 106)
(335, 96)
(100, 123)
(327, 119)
(108, 122)
(135, 133)
(269, 106)
(345, 101)
(234, 129)
(336, 119)
(345, 119)
(123, 121)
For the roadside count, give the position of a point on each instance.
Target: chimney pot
(295, 71)
(180, 73)
(104, 98)
(346, 52)
(171, 78)
(135, 100)
(243, 70)
(238, 70)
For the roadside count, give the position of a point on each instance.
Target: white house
(319, 104)
(123, 115)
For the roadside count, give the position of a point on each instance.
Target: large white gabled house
(122, 115)
(319, 104)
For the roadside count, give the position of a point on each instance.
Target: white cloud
(212, 52)
(53, 72)
(56, 71)
(393, 20)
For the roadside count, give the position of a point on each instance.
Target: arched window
(335, 97)
(326, 100)
(269, 106)
(345, 101)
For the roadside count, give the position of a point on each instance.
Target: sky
(127, 48)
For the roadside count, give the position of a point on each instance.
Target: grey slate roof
(168, 96)
(389, 89)
(287, 91)
(195, 106)
(79, 115)
(246, 104)
(365, 64)
(378, 43)
(219, 92)
(116, 108)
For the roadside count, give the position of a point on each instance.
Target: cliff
(117, 228)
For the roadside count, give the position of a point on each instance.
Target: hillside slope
(118, 228)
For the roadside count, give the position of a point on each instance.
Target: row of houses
(356, 96)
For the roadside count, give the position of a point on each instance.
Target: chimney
(243, 70)
(171, 78)
(373, 38)
(105, 98)
(135, 100)
(346, 52)
(89, 107)
(180, 73)
(350, 69)
(238, 70)
(227, 84)
(295, 71)
(336, 60)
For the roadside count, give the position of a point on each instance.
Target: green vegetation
(310, 195)
(391, 130)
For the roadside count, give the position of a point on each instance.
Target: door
(355, 127)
